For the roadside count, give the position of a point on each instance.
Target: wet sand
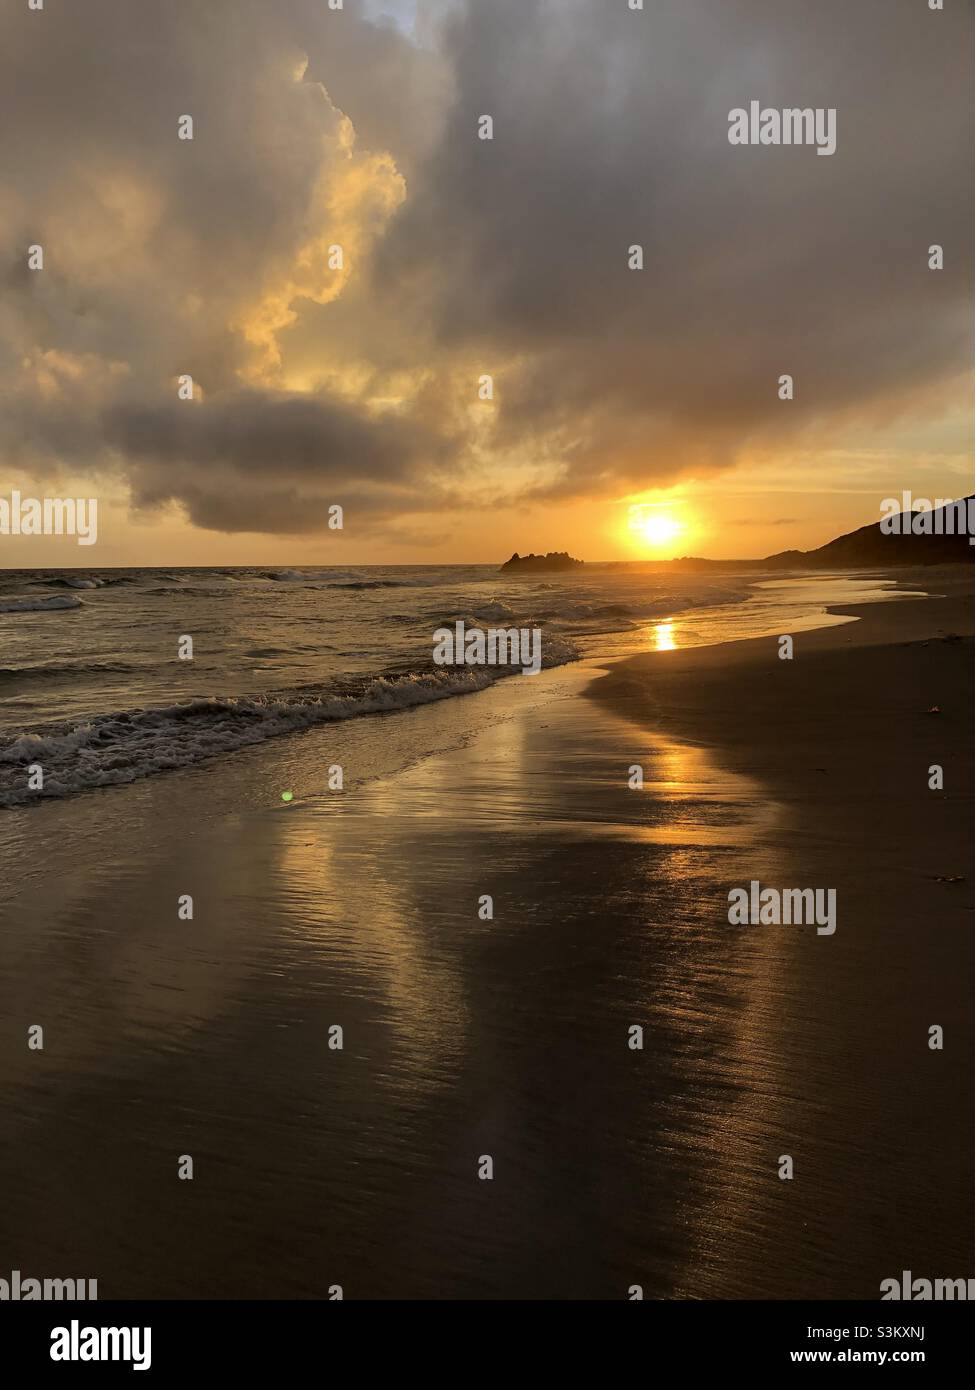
(508, 1037)
(835, 1066)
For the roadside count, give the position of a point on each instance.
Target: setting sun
(658, 530)
(654, 525)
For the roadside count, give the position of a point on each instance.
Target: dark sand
(836, 1069)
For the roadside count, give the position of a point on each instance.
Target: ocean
(93, 687)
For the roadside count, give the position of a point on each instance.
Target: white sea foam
(113, 749)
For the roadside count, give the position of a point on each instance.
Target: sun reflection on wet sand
(527, 813)
(374, 926)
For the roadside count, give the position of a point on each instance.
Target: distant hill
(540, 564)
(870, 546)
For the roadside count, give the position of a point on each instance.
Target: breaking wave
(113, 749)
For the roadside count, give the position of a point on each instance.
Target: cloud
(464, 257)
(165, 257)
(611, 130)
(289, 456)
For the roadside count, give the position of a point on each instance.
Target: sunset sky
(466, 257)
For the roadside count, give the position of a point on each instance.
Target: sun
(658, 528)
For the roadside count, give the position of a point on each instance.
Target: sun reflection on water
(664, 638)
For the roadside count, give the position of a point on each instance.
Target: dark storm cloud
(610, 130)
(509, 257)
(279, 459)
(309, 434)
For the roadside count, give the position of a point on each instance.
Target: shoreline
(177, 728)
(841, 740)
(676, 689)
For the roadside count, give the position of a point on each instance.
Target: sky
(618, 396)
